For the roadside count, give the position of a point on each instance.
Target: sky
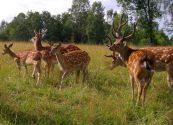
(11, 8)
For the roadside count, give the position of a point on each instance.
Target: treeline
(83, 23)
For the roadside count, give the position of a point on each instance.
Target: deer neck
(126, 53)
(12, 55)
(38, 45)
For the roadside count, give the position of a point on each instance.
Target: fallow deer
(163, 59)
(116, 61)
(136, 61)
(72, 61)
(25, 58)
(50, 60)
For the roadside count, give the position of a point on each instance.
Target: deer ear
(5, 46)
(10, 45)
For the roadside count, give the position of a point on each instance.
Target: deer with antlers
(163, 57)
(138, 62)
(160, 57)
(72, 61)
(50, 60)
(24, 58)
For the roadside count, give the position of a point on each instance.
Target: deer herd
(141, 62)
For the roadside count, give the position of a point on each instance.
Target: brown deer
(50, 60)
(25, 58)
(72, 61)
(138, 62)
(116, 61)
(162, 61)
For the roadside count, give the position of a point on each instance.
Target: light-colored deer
(72, 61)
(24, 58)
(50, 60)
(138, 62)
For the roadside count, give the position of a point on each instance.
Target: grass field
(105, 99)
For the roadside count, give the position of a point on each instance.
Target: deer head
(38, 35)
(120, 42)
(6, 49)
(37, 39)
(117, 61)
(50, 43)
(55, 49)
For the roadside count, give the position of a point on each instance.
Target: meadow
(105, 99)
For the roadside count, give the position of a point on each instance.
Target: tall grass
(104, 99)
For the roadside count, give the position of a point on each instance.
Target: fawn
(24, 58)
(50, 60)
(72, 61)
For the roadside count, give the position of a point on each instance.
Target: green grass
(105, 99)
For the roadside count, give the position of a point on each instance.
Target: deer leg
(140, 89)
(170, 80)
(33, 72)
(48, 69)
(170, 76)
(45, 69)
(60, 74)
(62, 78)
(132, 86)
(145, 92)
(26, 70)
(38, 73)
(85, 75)
(52, 68)
(77, 76)
(19, 69)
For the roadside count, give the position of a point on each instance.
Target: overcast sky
(11, 8)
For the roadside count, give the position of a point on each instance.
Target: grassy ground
(104, 99)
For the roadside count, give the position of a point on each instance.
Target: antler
(134, 29)
(117, 32)
(43, 31)
(111, 56)
(107, 36)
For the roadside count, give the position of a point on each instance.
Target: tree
(148, 10)
(95, 23)
(79, 13)
(3, 25)
(54, 26)
(67, 27)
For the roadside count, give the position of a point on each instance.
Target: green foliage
(84, 23)
(148, 10)
(79, 12)
(95, 23)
